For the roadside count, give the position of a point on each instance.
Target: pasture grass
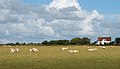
(52, 57)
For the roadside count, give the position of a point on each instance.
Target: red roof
(106, 38)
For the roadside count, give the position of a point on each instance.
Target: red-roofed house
(103, 40)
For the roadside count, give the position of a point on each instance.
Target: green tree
(53, 42)
(45, 42)
(117, 40)
(75, 40)
(17, 43)
(62, 42)
(85, 40)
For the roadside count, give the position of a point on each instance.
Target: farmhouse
(103, 40)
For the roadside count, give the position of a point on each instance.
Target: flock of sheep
(14, 50)
(89, 49)
(71, 51)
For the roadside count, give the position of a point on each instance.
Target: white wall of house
(103, 42)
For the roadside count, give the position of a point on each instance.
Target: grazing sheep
(91, 50)
(12, 50)
(64, 48)
(95, 49)
(17, 49)
(111, 46)
(33, 50)
(103, 47)
(30, 50)
(73, 51)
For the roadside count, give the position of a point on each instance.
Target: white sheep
(17, 49)
(103, 47)
(70, 51)
(30, 50)
(12, 50)
(111, 46)
(95, 49)
(73, 51)
(91, 50)
(84, 46)
(33, 50)
(64, 48)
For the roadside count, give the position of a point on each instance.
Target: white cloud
(87, 23)
(61, 4)
(61, 19)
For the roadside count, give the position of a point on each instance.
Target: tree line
(73, 41)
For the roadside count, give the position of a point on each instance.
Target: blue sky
(103, 6)
(39, 20)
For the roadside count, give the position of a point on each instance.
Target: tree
(23, 43)
(86, 40)
(17, 43)
(53, 42)
(75, 40)
(45, 42)
(12, 44)
(66, 42)
(62, 42)
(117, 40)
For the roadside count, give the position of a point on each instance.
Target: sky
(39, 20)
(103, 6)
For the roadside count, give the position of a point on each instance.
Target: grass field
(52, 57)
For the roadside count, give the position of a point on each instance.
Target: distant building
(103, 40)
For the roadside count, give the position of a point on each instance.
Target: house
(103, 40)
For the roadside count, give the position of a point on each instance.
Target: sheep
(95, 49)
(103, 47)
(17, 49)
(91, 50)
(12, 50)
(64, 48)
(30, 50)
(33, 50)
(111, 46)
(73, 51)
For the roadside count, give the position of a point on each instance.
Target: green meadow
(52, 57)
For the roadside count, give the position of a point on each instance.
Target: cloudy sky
(39, 20)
